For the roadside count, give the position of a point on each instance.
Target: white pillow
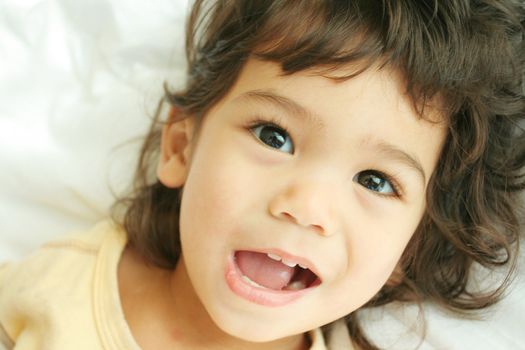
(77, 78)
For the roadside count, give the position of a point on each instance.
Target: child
(324, 156)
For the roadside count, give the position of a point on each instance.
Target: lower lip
(261, 296)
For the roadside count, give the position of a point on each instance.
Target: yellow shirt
(65, 296)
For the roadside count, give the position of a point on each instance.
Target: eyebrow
(288, 105)
(295, 109)
(396, 153)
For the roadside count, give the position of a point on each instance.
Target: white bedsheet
(77, 78)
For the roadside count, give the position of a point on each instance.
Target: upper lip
(289, 257)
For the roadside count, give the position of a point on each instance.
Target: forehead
(382, 84)
(316, 96)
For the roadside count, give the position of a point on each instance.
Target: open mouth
(271, 271)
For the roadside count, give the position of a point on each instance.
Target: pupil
(373, 182)
(272, 137)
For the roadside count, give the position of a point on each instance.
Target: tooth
(303, 267)
(255, 284)
(274, 257)
(297, 285)
(288, 263)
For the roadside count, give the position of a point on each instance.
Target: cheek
(373, 253)
(384, 246)
(214, 193)
(373, 263)
(368, 272)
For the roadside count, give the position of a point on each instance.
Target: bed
(78, 80)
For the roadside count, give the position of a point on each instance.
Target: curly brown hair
(470, 53)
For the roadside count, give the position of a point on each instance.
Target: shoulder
(54, 285)
(70, 255)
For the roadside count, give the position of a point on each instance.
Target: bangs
(432, 46)
(324, 35)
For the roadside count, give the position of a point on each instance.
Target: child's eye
(377, 182)
(273, 136)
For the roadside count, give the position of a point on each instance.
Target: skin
(305, 198)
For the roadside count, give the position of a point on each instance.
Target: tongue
(264, 271)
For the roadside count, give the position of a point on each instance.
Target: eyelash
(278, 123)
(270, 121)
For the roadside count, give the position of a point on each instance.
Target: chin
(251, 330)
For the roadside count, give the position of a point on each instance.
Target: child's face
(318, 193)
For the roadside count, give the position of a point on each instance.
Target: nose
(308, 205)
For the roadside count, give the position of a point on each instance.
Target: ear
(175, 150)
